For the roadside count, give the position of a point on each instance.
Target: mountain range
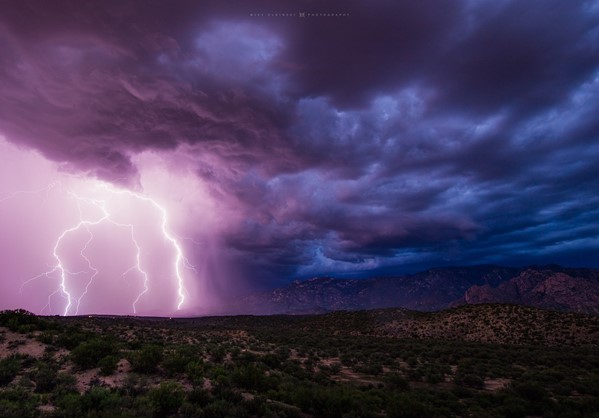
(549, 287)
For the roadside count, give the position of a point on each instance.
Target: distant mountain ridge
(550, 287)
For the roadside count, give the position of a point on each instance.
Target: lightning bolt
(89, 265)
(72, 303)
(46, 189)
(137, 266)
(59, 266)
(180, 259)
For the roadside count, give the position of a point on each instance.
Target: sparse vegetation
(469, 361)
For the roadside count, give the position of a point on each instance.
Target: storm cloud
(363, 138)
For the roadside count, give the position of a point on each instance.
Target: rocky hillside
(551, 287)
(568, 290)
(498, 324)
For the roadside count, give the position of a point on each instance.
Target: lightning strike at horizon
(90, 266)
(72, 303)
(180, 258)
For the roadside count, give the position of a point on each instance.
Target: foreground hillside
(483, 360)
(550, 287)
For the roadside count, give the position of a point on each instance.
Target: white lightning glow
(46, 189)
(180, 259)
(89, 265)
(106, 217)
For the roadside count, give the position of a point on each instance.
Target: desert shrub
(47, 337)
(195, 371)
(409, 406)
(199, 396)
(335, 368)
(44, 375)
(146, 359)
(514, 407)
(250, 377)
(87, 354)
(189, 410)
(279, 411)
(433, 376)
(134, 385)
(69, 406)
(9, 367)
(347, 359)
(71, 338)
(17, 402)
(247, 358)
(217, 353)
(470, 380)
(368, 368)
(273, 361)
(21, 321)
(396, 381)
(102, 400)
(531, 391)
(108, 365)
(223, 408)
(337, 401)
(177, 361)
(167, 398)
(65, 383)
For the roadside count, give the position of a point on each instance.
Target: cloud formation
(405, 135)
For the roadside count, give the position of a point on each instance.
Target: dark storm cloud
(406, 132)
(380, 46)
(523, 55)
(90, 85)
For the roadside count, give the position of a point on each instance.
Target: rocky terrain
(551, 287)
(568, 290)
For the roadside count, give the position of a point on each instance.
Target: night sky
(364, 138)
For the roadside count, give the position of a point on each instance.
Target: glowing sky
(258, 149)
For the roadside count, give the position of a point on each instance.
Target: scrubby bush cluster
(284, 367)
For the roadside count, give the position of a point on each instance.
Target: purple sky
(400, 136)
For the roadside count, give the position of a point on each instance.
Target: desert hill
(550, 287)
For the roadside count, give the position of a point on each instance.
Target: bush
(65, 384)
(21, 321)
(470, 380)
(17, 403)
(88, 354)
(44, 377)
(217, 353)
(404, 406)
(167, 398)
(9, 367)
(101, 400)
(396, 381)
(250, 377)
(46, 337)
(69, 406)
(108, 365)
(177, 362)
(147, 359)
(531, 391)
(71, 338)
(199, 396)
